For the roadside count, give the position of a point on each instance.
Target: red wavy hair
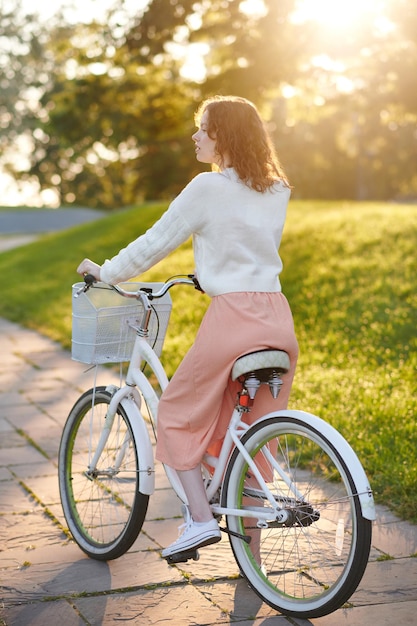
(239, 132)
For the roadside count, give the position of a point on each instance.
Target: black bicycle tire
(102, 551)
(359, 560)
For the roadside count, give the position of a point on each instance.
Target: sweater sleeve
(175, 226)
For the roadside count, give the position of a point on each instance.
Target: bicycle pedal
(183, 557)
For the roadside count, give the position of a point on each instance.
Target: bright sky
(78, 10)
(337, 14)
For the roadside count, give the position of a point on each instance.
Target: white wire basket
(104, 323)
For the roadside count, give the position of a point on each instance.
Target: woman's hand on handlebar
(89, 267)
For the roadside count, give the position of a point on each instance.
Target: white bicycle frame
(130, 399)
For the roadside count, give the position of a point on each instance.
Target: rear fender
(359, 477)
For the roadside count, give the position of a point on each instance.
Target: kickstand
(245, 538)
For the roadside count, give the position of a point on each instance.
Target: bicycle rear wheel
(103, 507)
(311, 564)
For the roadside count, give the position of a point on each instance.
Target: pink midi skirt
(195, 409)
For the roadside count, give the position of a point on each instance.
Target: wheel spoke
(103, 505)
(311, 563)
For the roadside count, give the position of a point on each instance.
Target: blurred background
(97, 96)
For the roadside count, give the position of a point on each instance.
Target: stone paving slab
(45, 579)
(182, 605)
(398, 614)
(45, 614)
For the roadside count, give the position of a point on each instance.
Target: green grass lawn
(350, 276)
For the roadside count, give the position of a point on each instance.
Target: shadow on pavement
(55, 601)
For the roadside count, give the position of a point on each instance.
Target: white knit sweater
(236, 235)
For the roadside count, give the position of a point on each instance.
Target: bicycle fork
(129, 399)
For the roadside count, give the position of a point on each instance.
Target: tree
(350, 126)
(23, 74)
(115, 119)
(108, 131)
(107, 113)
(112, 135)
(251, 53)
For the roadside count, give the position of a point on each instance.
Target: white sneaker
(194, 536)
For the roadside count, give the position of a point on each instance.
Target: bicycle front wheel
(310, 564)
(103, 505)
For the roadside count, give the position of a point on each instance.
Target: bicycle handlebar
(190, 279)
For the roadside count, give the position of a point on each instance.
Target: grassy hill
(350, 276)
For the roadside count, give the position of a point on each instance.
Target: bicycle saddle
(263, 359)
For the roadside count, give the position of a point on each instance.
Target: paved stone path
(46, 580)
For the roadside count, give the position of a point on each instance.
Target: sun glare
(338, 14)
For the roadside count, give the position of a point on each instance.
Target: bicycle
(296, 500)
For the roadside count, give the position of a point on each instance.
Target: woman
(235, 214)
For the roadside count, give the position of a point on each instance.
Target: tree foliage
(105, 111)
(23, 74)
(115, 133)
(353, 114)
